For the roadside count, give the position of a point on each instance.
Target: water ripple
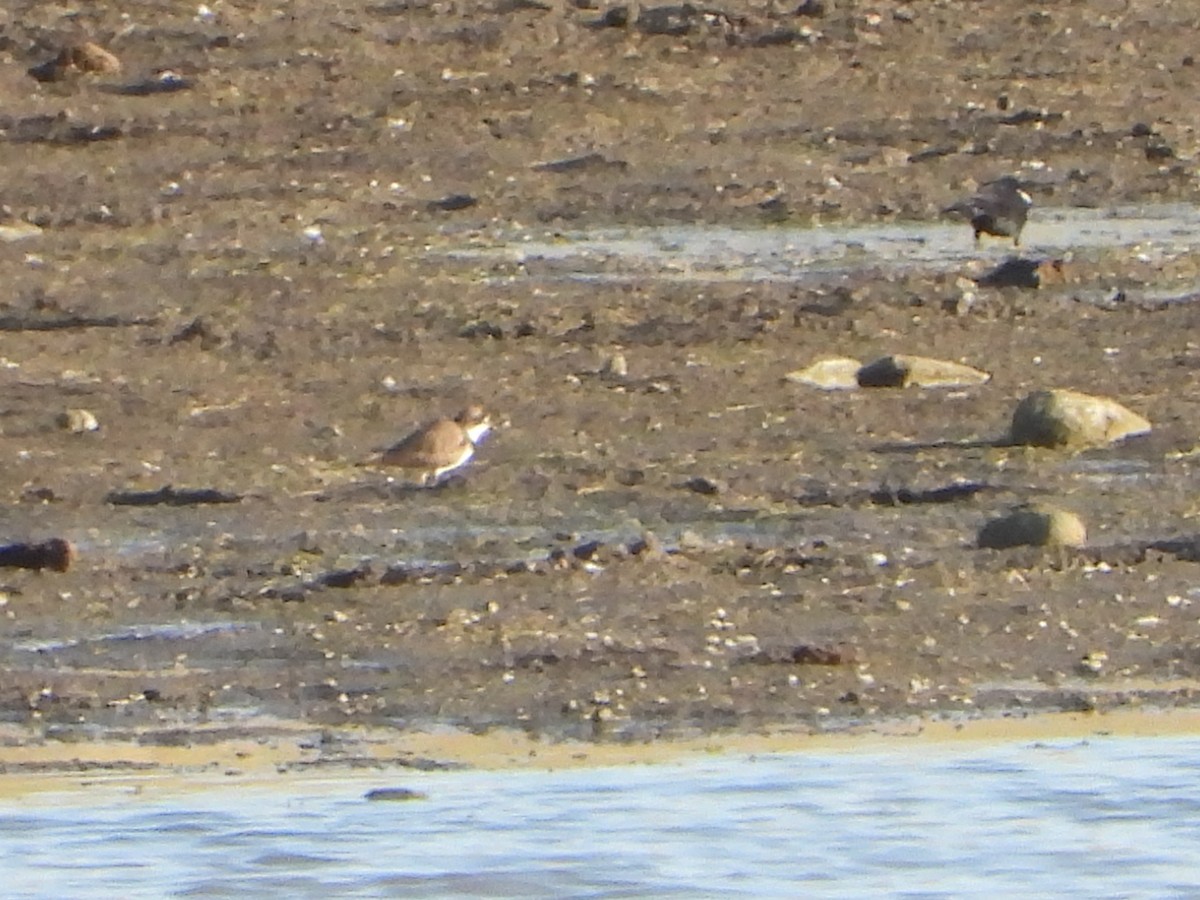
(1113, 817)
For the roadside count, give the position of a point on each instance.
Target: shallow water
(709, 253)
(1108, 817)
(367, 527)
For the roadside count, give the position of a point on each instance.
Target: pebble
(83, 57)
(615, 366)
(78, 421)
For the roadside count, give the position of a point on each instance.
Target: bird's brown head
(476, 422)
(472, 415)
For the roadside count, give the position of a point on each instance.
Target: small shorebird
(439, 447)
(999, 208)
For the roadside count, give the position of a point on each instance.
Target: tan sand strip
(298, 752)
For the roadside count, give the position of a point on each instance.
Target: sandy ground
(251, 272)
(290, 754)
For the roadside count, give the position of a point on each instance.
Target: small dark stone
(630, 477)
(47, 71)
(701, 485)
(951, 493)
(888, 371)
(306, 542)
(453, 202)
(676, 21)
(933, 153)
(197, 330)
(614, 17)
(813, 655)
(647, 545)
(776, 205)
(775, 37)
(588, 550)
(40, 319)
(56, 554)
(482, 330)
(1159, 152)
(394, 795)
(345, 578)
(1030, 117)
(170, 496)
(586, 162)
(166, 82)
(61, 130)
(399, 574)
(538, 661)
(171, 737)
(504, 7)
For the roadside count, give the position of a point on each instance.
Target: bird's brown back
(431, 447)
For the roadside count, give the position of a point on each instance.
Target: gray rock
(837, 373)
(1035, 526)
(1062, 418)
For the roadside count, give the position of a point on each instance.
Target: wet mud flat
(250, 280)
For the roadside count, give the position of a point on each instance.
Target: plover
(441, 446)
(999, 208)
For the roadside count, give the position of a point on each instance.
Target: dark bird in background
(999, 208)
(1026, 273)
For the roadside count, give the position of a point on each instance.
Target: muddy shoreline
(342, 222)
(283, 752)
